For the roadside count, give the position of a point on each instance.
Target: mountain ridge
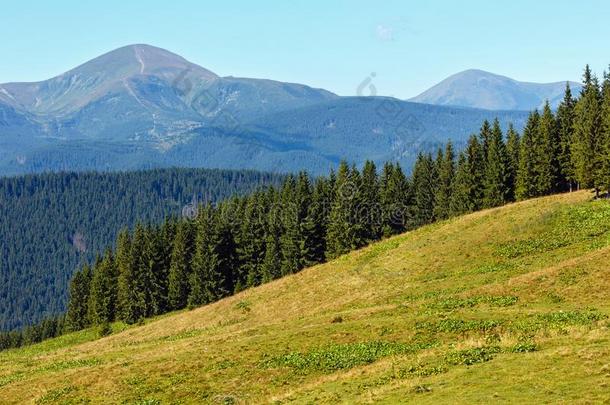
(140, 107)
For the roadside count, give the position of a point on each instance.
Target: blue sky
(336, 45)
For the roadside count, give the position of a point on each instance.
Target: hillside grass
(504, 305)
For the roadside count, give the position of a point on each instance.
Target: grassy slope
(528, 283)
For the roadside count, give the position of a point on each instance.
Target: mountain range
(143, 107)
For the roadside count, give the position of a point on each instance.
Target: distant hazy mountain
(144, 107)
(479, 89)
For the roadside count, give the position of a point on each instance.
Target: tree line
(278, 230)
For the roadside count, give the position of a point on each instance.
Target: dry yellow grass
(388, 292)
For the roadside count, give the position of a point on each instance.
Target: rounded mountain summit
(479, 89)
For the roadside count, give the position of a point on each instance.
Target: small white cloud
(385, 33)
(394, 29)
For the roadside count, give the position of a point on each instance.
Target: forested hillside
(483, 308)
(52, 223)
(247, 241)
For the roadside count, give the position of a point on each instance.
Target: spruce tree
(369, 212)
(137, 283)
(304, 201)
(165, 244)
(526, 183)
(394, 199)
(251, 241)
(233, 215)
(180, 267)
(425, 184)
(226, 248)
(77, 314)
(546, 162)
(126, 278)
(485, 135)
(102, 294)
(295, 199)
(340, 231)
(314, 225)
(444, 191)
(112, 274)
(272, 263)
(359, 223)
(565, 128)
(513, 141)
(497, 175)
(603, 175)
(168, 233)
(156, 273)
(206, 276)
(585, 140)
(459, 202)
(469, 180)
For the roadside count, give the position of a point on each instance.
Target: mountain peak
(478, 73)
(107, 74)
(142, 59)
(477, 88)
(475, 71)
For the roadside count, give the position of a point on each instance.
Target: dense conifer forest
(249, 240)
(53, 223)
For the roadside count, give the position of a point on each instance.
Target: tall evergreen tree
(603, 175)
(359, 223)
(513, 141)
(314, 225)
(180, 267)
(546, 151)
(134, 282)
(485, 135)
(290, 238)
(251, 241)
(295, 200)
(206, 276)
(226, 249)
(156, 272)
(425, 184)
(460, 197)
(272, 263)
(395, 200)
(585, 140)
(126, 278)
(341, 232)
(469, 180)
(526, 183)
(565, 128)
(168, 233)
(497, 175)
(370, 210)
(102, 294)
(444, 191)
(77, 314)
